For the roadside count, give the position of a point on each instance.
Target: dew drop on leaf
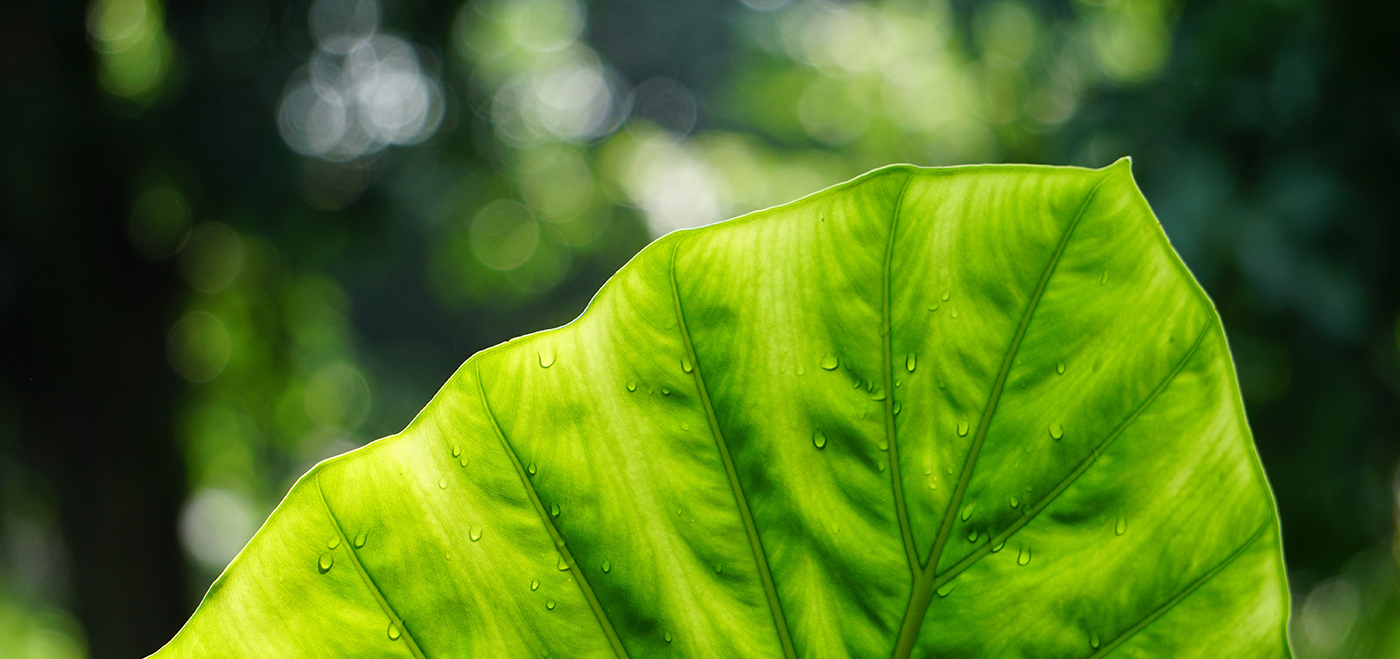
(967, 511)
(719, 569)
(953, 313)
(562, 564)
(360, 539)
(997, 547)
(944, 296)
(1060, 368)
(324, 565)
(879, 395)
(665, 391)
(819, 439)
(549, 604)
(534, 584)
(942, 384)
(830, 362)
(897, 407)
(546, 358)
(972, 535)
(1024, 557)
(685, 425)
(531, 468)
(884, 445)
(686, 365)
(333, 542)
(911, 362)
(464, 461)
(554, 509)
(801, 370)
(1094, 641)
(474, 533)
(394, 632)
(631, 385)
(667, 636)
(962, 428)
(442, 483)
(882, 467)
(1015, 502)
(607, 566)
(945, 589)
(456, 450)
(1122, 526)
(1104, 278)
(1056, 430)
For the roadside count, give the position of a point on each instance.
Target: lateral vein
(887, 331)
(1176, 599)
(554, 535)
(364, 576)
(1090, 460)
(760, 557)
(921, 593)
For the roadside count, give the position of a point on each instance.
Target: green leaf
(959, 412)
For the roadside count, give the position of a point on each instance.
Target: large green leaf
(962, 412)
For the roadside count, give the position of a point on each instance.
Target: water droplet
(667, 636)
(324, 565)
(607, 566)
(1094, 641)
(546, 358)
(1056, 430)
(819, 439)
(855, 384)
(962, 428)
(686, 365)
(944, 296)
(801, 370)
(360, 539)
(442, 483)
(933, 485)
(631, 385)
(685, 425)
(394, 632)
(333, 542)
(1024, 557)
(942, 384)
(549, 604)
(464, 461)
(897, 382)
(531, 468)
(884, 445)
(1122, 526)
(1060, 368)
(967, 511)
(665, 391)
(972, 535)
(882, 467)
(870, 386)
(997, 547)
(562, 564)
(554, 509)
(911, 362)
(1015, 502)
(946, 588)
(879, 395)
(934, 307)
(474, 533)
(897, 407)
(456, 450)
(534, 584)
(449, 556)
(719, 569)
(953, 313)
(830, 362)
(1104, 278)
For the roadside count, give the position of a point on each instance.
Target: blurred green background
(241, 236)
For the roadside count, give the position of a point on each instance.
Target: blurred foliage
(268, 230)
